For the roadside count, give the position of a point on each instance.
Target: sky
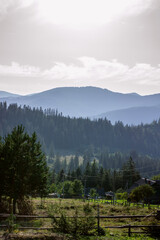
(112, 44)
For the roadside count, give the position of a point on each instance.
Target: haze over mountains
(4, 94)
(93, 102)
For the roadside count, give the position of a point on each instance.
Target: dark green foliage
(61, 224)
(87, 208)
(69, 188)
(110, 145)
(141, 193)
(94, 177)
(75, 226)
(130, 175)
(93, 192)
(70, 134)
(23, 166)
(77, 187)
(157, 177)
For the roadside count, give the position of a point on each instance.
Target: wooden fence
(98, 217)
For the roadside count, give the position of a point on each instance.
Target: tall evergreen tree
(25, 170)
(130, 174)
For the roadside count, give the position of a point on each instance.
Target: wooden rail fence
(98, 217)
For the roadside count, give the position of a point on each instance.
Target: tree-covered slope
(86, 101)
(134, 115)
(65, 133)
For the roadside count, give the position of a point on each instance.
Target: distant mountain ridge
(133, 116)
(4, 94)
(94, 102)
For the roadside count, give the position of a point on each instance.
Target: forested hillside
(94, 103)
(76, 134)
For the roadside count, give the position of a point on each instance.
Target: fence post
(129, 230)
(98, 219)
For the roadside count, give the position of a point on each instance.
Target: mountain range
(92, 102)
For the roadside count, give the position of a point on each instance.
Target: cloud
(7, 6)
(144, 73)
(82, 12)
(17, 70)
(134, 7)
(90, 71)
(4, 6)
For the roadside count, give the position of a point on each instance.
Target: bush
(76, 225)
(143, 192)
(93, 193)
(122, 196)
(62, 224)
(87, 208)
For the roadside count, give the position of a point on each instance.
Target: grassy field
(86, 208)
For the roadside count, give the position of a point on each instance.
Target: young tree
(93, 193)
(68, 188)
(25, 170)
(130, 174)
(77, 187)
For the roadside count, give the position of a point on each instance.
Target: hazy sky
(113, 44)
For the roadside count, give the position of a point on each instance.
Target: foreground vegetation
(86, 227)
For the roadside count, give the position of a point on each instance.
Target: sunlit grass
(53, 207)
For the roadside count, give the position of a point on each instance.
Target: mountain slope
(4, 94)
(133, 116)
(76, 134)
(85, 101)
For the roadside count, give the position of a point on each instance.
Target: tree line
(95, 176)
(146, 165)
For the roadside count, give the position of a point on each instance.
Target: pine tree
(25, 170)
(130, 174)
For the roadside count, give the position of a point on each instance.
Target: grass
(69, 206)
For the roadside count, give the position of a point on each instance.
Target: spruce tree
(25, 171)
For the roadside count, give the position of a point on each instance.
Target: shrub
(87, 208)
(76, 225)
(143, 192)
(62, 224)
(53, 209)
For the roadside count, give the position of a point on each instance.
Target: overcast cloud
(113, 44)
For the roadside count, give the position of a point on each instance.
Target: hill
(4, 94)
(76, 134)
(133, 116)
(91, 101)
